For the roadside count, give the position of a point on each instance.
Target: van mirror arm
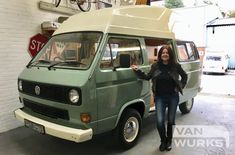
(115, 68)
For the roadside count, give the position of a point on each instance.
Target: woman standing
(166, 87)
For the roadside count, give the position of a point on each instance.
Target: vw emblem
(37, 90)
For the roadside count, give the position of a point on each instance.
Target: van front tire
(128, 129)
(187, 106)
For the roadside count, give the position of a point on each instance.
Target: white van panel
(215, 62)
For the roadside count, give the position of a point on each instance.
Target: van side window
(187, 51)
(183, 55)
(117, 46)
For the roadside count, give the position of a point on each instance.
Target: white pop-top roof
(130, 20)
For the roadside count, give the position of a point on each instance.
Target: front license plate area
(37, 127)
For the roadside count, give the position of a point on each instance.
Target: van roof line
(130, 20)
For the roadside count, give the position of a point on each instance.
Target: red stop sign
(36, 43)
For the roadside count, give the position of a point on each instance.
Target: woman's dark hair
(170, 52)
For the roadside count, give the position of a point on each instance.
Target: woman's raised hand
(134, 67)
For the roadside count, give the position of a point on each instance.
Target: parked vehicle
(215, 62)
(81, 83)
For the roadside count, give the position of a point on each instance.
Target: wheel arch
(138, 105)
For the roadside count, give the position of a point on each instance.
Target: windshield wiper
(37, 62)
(65, 62)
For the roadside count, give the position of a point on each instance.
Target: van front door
(116, 85)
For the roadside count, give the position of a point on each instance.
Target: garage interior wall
(20, 20)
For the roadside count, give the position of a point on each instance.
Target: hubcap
(131, 129)
(189, 104)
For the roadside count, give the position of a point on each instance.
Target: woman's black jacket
(174, 72)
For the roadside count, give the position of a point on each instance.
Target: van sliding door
(188, 57)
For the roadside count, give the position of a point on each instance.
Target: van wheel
(128, 129)
(187, 106)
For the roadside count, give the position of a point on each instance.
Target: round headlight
(20, 86)
(73, 96)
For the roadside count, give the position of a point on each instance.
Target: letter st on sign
(36, 43)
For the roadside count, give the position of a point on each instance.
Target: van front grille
(53, 92)
(46, 110)
(47, 91)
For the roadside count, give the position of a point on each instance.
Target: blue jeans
(161, 103)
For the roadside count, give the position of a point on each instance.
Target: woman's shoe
(168, 145)
(162, 146)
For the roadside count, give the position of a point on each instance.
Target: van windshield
(71, 50)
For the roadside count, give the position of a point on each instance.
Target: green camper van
(80, 83)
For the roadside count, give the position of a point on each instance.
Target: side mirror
(124, 61)
(155, 51)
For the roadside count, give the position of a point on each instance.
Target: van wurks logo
(213, 139)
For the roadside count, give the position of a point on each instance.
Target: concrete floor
(219, 84)
(208, 110)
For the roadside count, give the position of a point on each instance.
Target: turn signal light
(85, 117)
